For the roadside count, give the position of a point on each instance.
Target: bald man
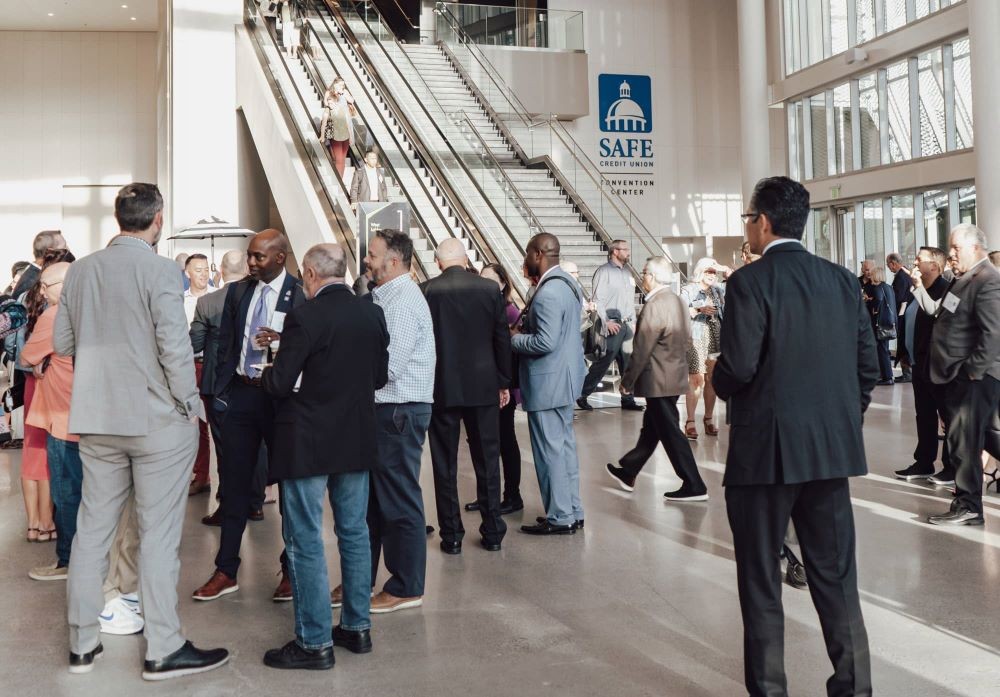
(471, 381)
(253, 317)
(551, 379)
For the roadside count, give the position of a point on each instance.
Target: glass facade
(815, 30)
(917, 107)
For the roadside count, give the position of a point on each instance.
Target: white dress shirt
(775, 243)
(270, 302)
(373, 187)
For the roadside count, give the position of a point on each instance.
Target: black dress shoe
(632, 406)
(187, 660)
(474, 506)
(292, 656)
(795, 575)
(429, 529)
(958, 515)
(354, 640)
(490, 546)
(213, 520)
(80, 663)
(914, 472)
(508, 507)
(451, 547)
(578, 525)
(547, 528)
(890, 381)
(584, 404)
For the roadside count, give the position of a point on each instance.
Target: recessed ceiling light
(52, 14)
(124, 7)
(132, 18)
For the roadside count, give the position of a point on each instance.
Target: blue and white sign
(626, 103)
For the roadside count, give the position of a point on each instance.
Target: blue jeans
(302, 528)
(66, 482)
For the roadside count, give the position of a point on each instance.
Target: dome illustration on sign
(625, 114)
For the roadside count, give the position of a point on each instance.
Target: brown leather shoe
(199, 487)
(217, 586)
(387, 602)
(337, 596)
(283, 593)
(215, 519)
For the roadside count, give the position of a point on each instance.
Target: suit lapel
(243, 306)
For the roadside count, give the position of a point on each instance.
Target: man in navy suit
(791, 453)
(253, 317)
(552, 373)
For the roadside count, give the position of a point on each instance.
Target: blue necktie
(254, 355)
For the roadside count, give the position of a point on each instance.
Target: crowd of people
(256, 365)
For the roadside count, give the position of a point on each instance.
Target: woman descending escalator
(336, 127)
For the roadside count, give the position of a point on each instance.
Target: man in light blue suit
(551, 378)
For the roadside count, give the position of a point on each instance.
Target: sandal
(690, 431)
(710, 429)
(994, 480)
(32, 537)
(50, 535)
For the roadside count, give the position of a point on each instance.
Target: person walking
(881, 303)
(706, 301)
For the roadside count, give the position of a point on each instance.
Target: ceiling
(79, 15)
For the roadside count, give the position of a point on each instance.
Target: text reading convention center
(555, 348)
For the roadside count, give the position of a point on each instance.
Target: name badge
(278, 321)
(950, 302)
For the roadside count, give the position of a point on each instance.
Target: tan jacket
(658, 367)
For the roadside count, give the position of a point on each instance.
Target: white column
(984, 27)
(755, 130)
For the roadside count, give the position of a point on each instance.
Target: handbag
(13, 396)
(884, 333)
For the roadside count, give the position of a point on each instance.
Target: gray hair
(326, 260)
(660, 269)
(43, 242)
(970, 234)
(894, 258)
(451, 249)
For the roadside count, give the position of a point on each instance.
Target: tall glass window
(874, 236)
(814, 30)
(898, 104)
(871, 147)
(936, 218)
(820, 149)
(843, 135)
(904, 226)
(967, 204)
(796, 168)
(866, 20)
(926, 7)
(930, 72)
(793, 39)
(895, 14)
(822, 233)
(839, 36)
(962, 66)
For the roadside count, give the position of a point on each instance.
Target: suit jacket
(797, 368)
(122, 317)
(658, 366)
(551, 367)
(883, 305)
(340, 345)
(361, 192)
(902, 287)
(969, 337)
(234, 318)
(471, 338)
(205, 335)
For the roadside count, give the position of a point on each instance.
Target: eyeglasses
(747, 216)
(46, 286)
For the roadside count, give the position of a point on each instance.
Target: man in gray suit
(368, 184)
(965, 358)
(135, 407)
(552, 372)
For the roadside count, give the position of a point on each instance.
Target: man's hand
(38, 371)
(624, 390)
(916, 277)
(504, 398)
(613, 327)
(266, 336)
(514, 330)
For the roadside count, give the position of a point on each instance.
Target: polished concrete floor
(642, 603)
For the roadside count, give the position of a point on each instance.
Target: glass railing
(492, 25)
(547, 140)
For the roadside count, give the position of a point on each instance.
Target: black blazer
(340, 346)
(902, 287)
(797, 369)
(471, 338)
(234, 318)
(204, 335)
(882, 306)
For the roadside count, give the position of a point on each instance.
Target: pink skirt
(34, 455)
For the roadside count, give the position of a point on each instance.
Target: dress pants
(482, 424)
(884, 359)
(396, 523)
(157, 467)
(615, 354)
(203, 459)
(928, 402)
(824, 521)
(661, 424)
(510, 454)
(553, 446)
(247, 423)
(971, 406)
(302, 528)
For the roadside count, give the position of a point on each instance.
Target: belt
(253, 382)
(199, 359)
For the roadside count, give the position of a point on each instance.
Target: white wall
(76, 109)
(689, 49)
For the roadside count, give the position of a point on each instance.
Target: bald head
(266, 255)
(234, 266)
(51, 280)
(451, 252)
(541, 254)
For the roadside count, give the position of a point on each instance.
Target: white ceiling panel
(78, 15)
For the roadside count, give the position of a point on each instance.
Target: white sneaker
(132, 600)
(118, 618)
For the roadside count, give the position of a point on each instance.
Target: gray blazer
(552, 367)
(205, 335)
(969, 337)
(361, 192)
(658, 366)
(122, 318)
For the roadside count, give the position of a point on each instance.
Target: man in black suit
(795, 436)
(902, 290)
(471, 381)
(334, 355)
(252, 319)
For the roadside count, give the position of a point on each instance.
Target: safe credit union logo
(626, 103)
